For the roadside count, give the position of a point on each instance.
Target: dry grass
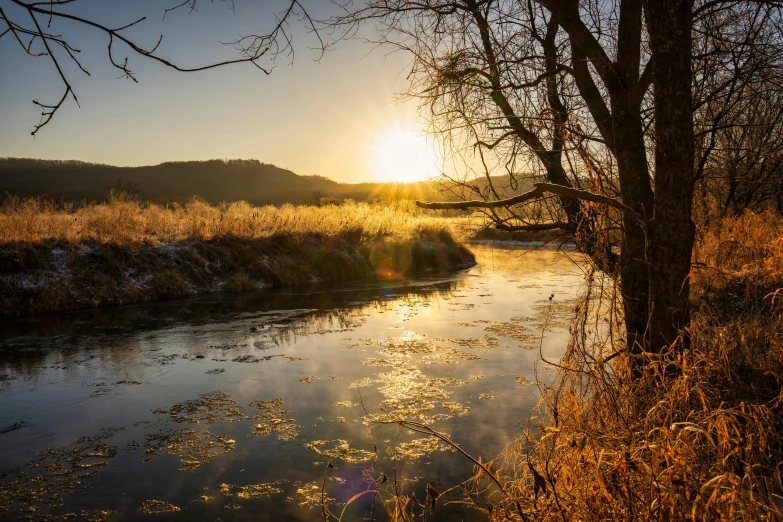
(123, 220)
(698, 437)
(63, 257)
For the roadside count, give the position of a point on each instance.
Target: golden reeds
(123, 220)
(698, 436)
(56, 257)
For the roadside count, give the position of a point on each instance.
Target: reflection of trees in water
(123, 341)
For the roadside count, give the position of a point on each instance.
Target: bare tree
(613, 105)
(34, 25)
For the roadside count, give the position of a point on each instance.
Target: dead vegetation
(695, 436)
(56, 257)
(698, 435)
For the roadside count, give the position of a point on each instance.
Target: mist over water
(231, 406)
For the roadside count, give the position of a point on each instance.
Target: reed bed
(698, 436)
(65, 256)
(123, 219)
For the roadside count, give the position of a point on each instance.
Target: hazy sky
(338, 117)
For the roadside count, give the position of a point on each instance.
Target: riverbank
(67, 258)
(697, 436)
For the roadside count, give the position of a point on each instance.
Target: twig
(424, 429)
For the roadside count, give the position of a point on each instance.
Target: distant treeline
(214, 181)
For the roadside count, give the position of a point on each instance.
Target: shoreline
(57, 276)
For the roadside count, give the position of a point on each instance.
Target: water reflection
(231, 406)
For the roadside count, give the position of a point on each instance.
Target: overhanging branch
(539, 191)
(534, 227)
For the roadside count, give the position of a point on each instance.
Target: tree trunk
(633, 170)
(636, 192)
(671, 231)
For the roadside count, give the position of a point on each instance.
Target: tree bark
(671, 231)
(633, 171)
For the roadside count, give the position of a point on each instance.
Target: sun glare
(404, 155)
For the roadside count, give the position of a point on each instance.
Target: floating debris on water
(456, 408)
(486, 396)
(341, 419)
(36, 490)
(193, 447)
(273, 420)
(449, 356)
(157, 507)
(418, 448)
(516, 329)
(13, 427)
(216, 371)
(391, 363)
(293, 358)
(251, 491)
(361, 383)
(248, 358)
(552, 314)
(310, 495)
(524, 380)
(340, 450)
(344, 404)
(312, 378)
(268, 405)
(408, 347)
(207, 409)
(482, 344)
(394, 410)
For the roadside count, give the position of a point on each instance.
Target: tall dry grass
(699, 435)
(65, 256)
(123, 219)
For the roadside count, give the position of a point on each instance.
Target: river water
(230, 407)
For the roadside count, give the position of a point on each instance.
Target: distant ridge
(214, 181)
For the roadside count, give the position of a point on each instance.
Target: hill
(214, 181)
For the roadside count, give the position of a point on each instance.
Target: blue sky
(324, 118)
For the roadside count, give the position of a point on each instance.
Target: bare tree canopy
(634, 101)
(34, 25)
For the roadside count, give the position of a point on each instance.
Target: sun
(402, 155)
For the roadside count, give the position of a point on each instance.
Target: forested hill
(214, 181)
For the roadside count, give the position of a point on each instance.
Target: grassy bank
(56, 257)
(699, 435)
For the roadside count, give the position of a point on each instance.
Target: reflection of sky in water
(444, 351)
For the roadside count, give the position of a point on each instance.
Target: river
(230, 407)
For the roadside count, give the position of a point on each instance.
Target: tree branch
(535, 227)
(538, 192)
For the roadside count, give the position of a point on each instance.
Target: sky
(339, 117)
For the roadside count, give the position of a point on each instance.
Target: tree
(34, 25)
(619, 106)
(745, 170)
(604, 100)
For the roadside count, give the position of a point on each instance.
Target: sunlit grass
(66, 256)
(124, 220)
(697, 436)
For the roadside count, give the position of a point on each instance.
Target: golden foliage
(698, 435)
(123, 219)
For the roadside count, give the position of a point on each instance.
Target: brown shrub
(698, 436)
